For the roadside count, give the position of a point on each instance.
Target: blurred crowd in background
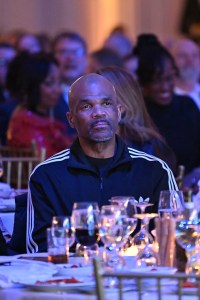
(157, 85)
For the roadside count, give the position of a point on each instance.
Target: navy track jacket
(69, 177)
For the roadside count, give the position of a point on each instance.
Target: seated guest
(136, 127)
(176, 117)
(29, 42)
(33, 120)
(104, 57)
(119, 42)
(70, 50)
(98, 165)
(187, 57)
(7, 53)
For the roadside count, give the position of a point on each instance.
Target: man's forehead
(90, 85)
(91, 82)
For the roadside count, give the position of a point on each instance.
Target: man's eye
(107, 103)
(85, 106)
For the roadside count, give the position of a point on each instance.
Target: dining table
(25, 277)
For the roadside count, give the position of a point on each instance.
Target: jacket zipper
(101, 183)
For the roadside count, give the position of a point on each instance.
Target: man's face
(95, 113)
(187, 57)
(72, 58)
(160, 90)
(50, 89)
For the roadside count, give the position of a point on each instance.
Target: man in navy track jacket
(96, 167)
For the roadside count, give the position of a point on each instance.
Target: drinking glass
(126, 202)
(65, 222)
(187, 236)
(170, 204)
(85, 216)
(115, 228)
(140, 239)
(146, 256)
(57, 245)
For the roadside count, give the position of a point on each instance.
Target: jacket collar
(79, 160)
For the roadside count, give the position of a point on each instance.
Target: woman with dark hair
(176, 117)
(38, 88)
(136, 127)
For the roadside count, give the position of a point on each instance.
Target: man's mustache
(94, 123)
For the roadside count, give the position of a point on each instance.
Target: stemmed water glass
(85, 216)
(140, 239)
(170, 204)
(188, 237)
(115, 228)
(146, 256)
(146, 253)
(125, 202)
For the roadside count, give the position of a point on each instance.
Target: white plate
(27, 270)
(45, 287)
(155, 270)
(81, 271)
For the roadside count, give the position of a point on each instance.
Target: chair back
(129, 285)
(180, 175)
(18, 164)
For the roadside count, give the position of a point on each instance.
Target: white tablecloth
(25, 294)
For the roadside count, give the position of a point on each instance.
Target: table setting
(59, 272)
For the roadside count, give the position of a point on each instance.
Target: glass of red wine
(85, 218)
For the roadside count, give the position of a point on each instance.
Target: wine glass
(187, 236)
(140, 239)
(146, 256)
(126, 202)
(65, 222)
(170, 204)
(85, 216)
(115, 228)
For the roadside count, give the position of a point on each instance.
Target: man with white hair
(187, 57)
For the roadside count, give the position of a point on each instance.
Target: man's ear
(70, 119)
(119, 112)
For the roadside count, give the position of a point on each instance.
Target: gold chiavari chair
(180, 175)
(143, 284)
(18, 164)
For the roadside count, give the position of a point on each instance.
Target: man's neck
(99, 149)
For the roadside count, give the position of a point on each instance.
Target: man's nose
(98, 111)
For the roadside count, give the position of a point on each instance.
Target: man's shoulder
(152, 166)
(145, 158)
(58, 160)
